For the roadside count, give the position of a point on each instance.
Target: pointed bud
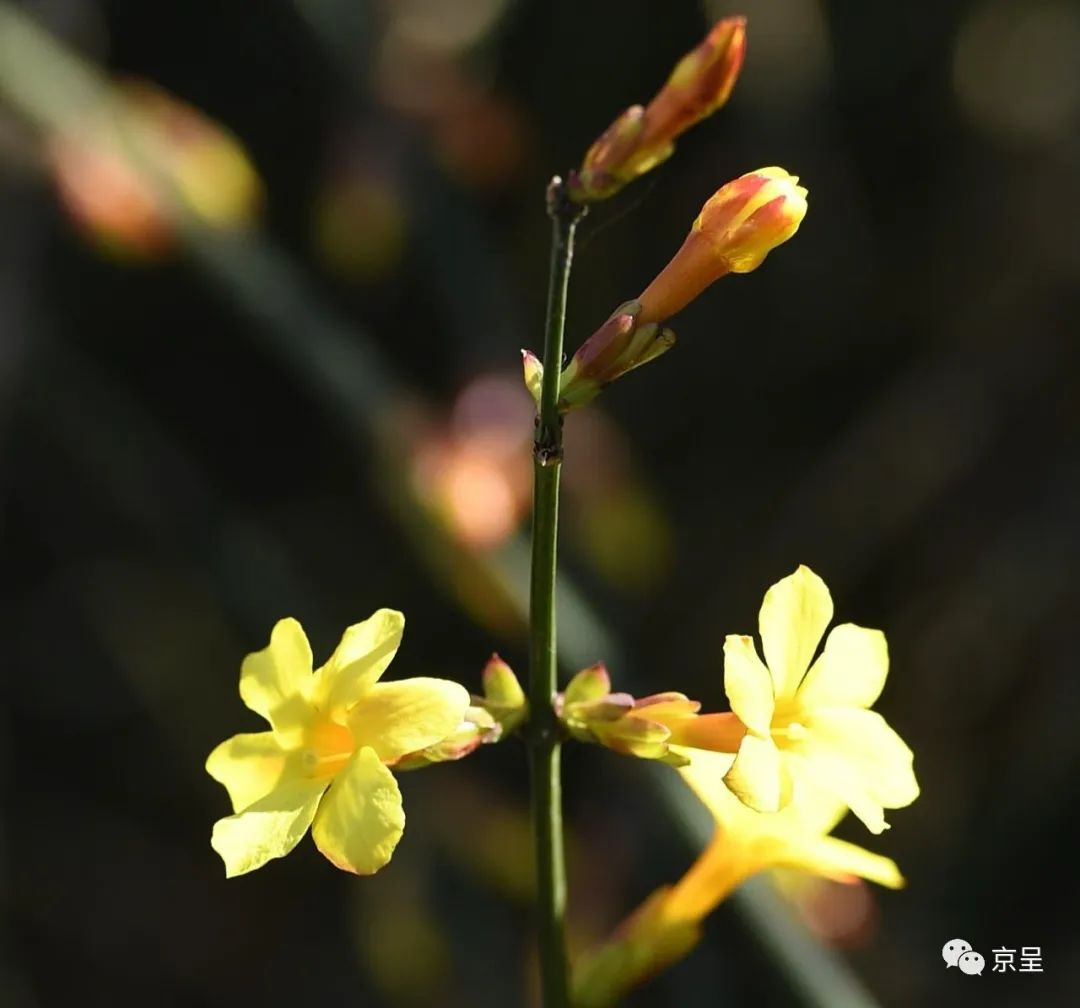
(590, 713)
(643, 137)
(601, 173)
(534, 374)
(736, 229)
(589, 684)
(504, 698)
(621, 344)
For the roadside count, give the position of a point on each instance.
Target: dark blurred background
(304, 398)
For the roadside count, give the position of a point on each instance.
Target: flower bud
(621, 344)
(477, 728)
(504, 698)
(616, 720)
(744, 221)
(589, 684)
(603, 172)
(643, 137)
(534, 374)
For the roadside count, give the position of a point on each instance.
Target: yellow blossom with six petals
(810, 722)
(334, 732)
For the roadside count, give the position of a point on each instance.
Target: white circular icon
(971, 963)
(954, 949)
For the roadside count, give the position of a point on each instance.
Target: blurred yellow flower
(667, 925)
(324, 763)
(128, 166)
(805, 728)
(746, 841)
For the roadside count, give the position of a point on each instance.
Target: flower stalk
(544, 730)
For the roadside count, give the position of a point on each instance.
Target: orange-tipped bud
(643, 137)
(621, 344)
(736, 229)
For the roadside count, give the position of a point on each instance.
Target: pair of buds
(736, 229)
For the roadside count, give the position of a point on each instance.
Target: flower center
(328, 747)
(793, 731)
(786, 728)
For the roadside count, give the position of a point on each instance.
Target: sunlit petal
(396, 718)
(869, 746)
(272, 681)
(747, 684)
(756, 777)
(792, 621)
(850, 672)
(250, 766)
(842, 861)
(361, 820)
(705, 776)
(365, 652)
(269, 828)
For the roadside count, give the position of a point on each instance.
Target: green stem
(544, 748)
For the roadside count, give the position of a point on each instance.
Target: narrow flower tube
(642, 137)
(744, 221)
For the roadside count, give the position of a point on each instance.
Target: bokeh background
(289, 384)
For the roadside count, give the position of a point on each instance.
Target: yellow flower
(667, 925)
(810, 723)
(324, 763)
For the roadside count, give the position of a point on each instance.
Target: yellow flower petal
(747, 683)
(269, 828)
(365, 652)
(869, 746)
(273, 681)
(818, 809)
(249, 766)
(705, 776)
(747, 841)
(850, 672)
(402, 717)
(757, 776)
(844, 781)
(839, 860)
(360, 821)
(792, 621)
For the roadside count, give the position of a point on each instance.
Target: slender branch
(544, 745)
